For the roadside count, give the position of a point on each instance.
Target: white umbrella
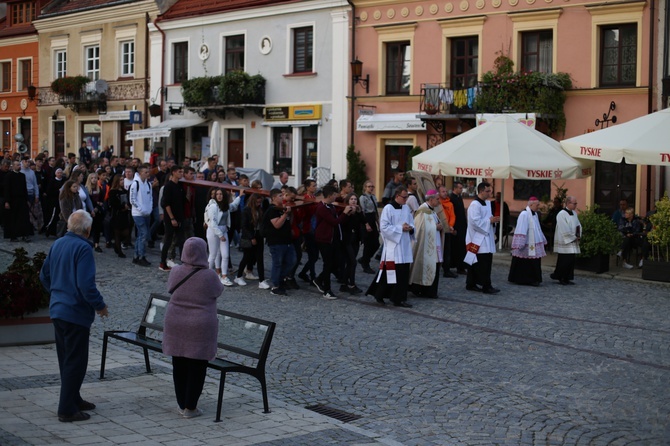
(215, 140)
(644, 140)
(501, 148)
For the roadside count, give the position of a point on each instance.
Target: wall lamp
(54, 117)
(155, 109)
(32, 92)
(357, 74)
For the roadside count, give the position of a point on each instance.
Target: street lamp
(357, 73)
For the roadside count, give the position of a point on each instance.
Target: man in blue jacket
(68, 274)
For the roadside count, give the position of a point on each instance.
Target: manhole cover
(339, 415)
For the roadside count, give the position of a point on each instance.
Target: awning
(293, 123)
(389, 122)
(164, 129)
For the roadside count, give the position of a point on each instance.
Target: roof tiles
(190, 8)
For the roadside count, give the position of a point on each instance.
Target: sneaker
(232, 270)
(188, 413)
(143, 262)
(136, 260)
(171, 263)
(226, 281)
(163, 267)
(318, 285)
(124, 246)
(240, 281)
(627, 265)
(304, 277)
(618, 254)
(639, 265)
(329, 295)
(278, 291)
(97, 249)
(250, 276)
(264, 285)
(354, 290)
(291, 283)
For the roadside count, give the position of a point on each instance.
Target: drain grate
(339, 415)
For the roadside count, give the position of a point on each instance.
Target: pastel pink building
(407, 46)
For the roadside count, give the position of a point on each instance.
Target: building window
(536, 51)
(464, 59)
(128, 58)
(282, 141)
(60, 64)
(6, 81)
(22, 13)
(397, 67)
(180, 62)
(303, 50)
(92, 62)
(234, 53)
(25, 74)
(6, 133)
(618, 55)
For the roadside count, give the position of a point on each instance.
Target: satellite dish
(18, 137)
(22, 148)
(101, 86)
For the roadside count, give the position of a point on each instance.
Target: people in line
(397, 228)
(528, 247)
(427, 250)
(566, 242)
(480, 241)
(191, 326)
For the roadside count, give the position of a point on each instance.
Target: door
(395, 158)
(614, 182)
(59, 139)
(236, 147)
(124, 145)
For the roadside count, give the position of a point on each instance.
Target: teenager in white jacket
(217, 217)
(141, 201)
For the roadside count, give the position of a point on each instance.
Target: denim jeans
(283, 259)
(142, 226)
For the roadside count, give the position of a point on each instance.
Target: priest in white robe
(427, 250)
(528, 247)
(566, 242)
(396, 225)
(480, 241)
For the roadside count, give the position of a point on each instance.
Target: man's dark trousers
(480, 273)
(170, 233)
(72, 349)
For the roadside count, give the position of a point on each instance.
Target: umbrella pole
(502, 213)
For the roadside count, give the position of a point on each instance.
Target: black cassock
(17, 217)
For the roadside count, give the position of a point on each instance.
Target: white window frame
(60, 66)
(222, 39)
(127, 68)
(95, 72)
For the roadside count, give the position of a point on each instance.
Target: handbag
(245, 243)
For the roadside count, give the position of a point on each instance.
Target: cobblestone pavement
(555, 365)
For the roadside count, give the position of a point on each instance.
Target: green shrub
(599, 234)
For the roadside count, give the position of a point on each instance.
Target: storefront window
(282, 139)
(90, 134)
(309, 150)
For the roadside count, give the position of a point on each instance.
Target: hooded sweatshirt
(141, 200)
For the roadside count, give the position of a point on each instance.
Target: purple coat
(191, 326)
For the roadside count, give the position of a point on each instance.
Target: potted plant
(657, 266)
(69, 87)
(24, 317)
(600, 239)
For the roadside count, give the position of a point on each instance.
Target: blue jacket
(68, 274)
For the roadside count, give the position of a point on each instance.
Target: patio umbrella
(502, 148)
(644, 140)
(215, 140)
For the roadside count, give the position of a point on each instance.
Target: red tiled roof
(190, 8)
(9, 31)
(58, 7)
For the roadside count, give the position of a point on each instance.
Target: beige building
(109, 46)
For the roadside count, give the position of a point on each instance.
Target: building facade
(300, 49)
(605, 48)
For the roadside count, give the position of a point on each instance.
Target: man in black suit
(460, 228)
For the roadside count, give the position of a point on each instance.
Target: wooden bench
(241, 339)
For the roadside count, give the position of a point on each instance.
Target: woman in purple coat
(191, 326)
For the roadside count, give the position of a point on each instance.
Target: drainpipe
(156, 20)
(352, 119)
(651, 89)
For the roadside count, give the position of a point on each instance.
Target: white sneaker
(171, 263)
(627, 266)
(639, 265)
(226, 281)
(264, 285)
(250, 276)
(240, 281)
(618, 254)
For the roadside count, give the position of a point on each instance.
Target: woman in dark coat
(191, 325)
(119, 206)
(352, 230)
